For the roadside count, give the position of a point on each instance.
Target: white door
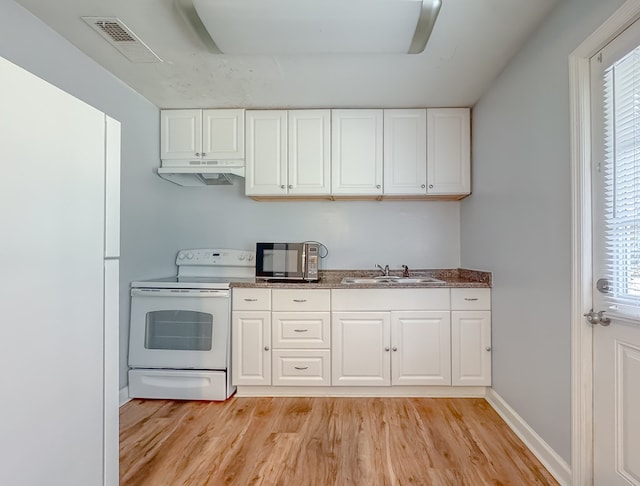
(309, 152)
(421, 348)
(181, 134)
(448, 151)
(616, 185)
(471, 348)
(251, 348)
(360, 348)
(356, 152)
(405, 151)
(223, 134)
(266, 145)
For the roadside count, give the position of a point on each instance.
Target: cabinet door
(448, 151)
(309, 152)
(223, 134)
(405, 151)
(356, 152)
(251, 348)
(421, 348)
(181, 134)
(471, 348)
(360, 351)
(266, 163)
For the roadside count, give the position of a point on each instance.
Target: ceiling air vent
(122, 38)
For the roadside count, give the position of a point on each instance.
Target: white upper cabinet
(309, 152)
(405, 152)
(202, 134)
(266, 163)
(356, 152)
(448, 151)
(288, 152)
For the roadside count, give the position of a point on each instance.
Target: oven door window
(182, 330)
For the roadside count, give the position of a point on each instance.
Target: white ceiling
(470, 44)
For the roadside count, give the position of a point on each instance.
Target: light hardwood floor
(322, 441)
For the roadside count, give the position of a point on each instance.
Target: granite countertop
(332, 279)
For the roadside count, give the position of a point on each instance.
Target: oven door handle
(179, 293)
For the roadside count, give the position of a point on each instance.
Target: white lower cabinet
(251, 348)
(361, 347)
(471, 337)
(361, 337)
(391, 348)
(420, 348)
(287, 342)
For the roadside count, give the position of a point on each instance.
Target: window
(616, 155)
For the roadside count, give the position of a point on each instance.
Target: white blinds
(621, 95)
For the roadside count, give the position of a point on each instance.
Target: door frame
(581, 240)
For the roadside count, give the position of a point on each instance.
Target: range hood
(207, 173)
(311, 26)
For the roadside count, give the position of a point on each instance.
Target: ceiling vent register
(114, 31)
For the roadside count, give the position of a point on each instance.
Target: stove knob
(190, 255)
(180, 256)
(241, 257)
(250, 257)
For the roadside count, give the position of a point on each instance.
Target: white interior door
(616, 290)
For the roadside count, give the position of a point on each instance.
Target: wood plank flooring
(322, 441)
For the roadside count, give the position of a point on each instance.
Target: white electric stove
(179, 342)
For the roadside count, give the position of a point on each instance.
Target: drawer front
(389, 299)
(471, 299)
(301, 300)
(251, 299)
(295, 330)
(304, 367)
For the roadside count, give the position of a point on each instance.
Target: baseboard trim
(557, 466)
(362, 391)
(124, 396)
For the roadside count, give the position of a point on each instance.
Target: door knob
(597, 318)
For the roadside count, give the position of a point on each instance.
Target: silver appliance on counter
(179, 342)
(287, 261)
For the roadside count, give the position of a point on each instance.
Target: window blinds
(621, 93)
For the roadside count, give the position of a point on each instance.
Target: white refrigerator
(59, 250)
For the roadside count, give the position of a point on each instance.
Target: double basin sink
(387, 280)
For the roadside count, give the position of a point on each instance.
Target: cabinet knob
(378, 186)
(282, 186)
(488, 348)
(423, 186)
(395, 348)
(386, 348)
(203, 154)
(290, 186)
(197, 154)
(266, 348)
(430, 186)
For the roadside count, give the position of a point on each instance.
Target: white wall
(159, 218)
(517, 223)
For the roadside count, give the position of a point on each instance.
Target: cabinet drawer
(301, 330)
(302, 300)
(304, 367)
(389, 299)
(251, 299)
(471, 299)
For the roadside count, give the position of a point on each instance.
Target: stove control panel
(216, 257)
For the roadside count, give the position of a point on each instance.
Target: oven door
(179, 329)
(280, 261)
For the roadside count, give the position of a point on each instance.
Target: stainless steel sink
(389, 280)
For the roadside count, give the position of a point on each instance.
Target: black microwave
(287, 261)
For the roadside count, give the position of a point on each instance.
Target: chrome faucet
(385, 270)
